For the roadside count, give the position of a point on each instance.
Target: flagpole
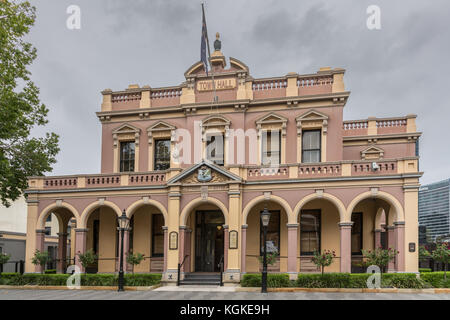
(209, 59)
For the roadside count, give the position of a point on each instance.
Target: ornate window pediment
(161, 129)
(272, 121)
(216, 122)
(372, 153)
(126, 132)
(312, 120)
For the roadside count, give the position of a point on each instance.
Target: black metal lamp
(123, 221)
(265, 219)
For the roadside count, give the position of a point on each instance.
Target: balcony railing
(346, 168)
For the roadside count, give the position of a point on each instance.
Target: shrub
(87, 258)
(40, 258)
(135, 259)
(357, 280)
(50, 271)
(322, 260)
(16, 279)
(424, 270)
(274, 280)
(442, 254)
(436, 279)
(4, 258)
(379, 257)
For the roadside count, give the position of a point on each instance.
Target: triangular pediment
(161, 126)
(312, 115)
(126, 128)
(372, 153)
(271, 118)
(204, 172)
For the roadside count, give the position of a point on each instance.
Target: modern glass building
(434, 208)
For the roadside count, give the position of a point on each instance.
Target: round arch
(136, 205)
(378, 216)
(55, 206)
(399, 215)
(193, 203)
(273, 198)
(314, 196)
(90, 208)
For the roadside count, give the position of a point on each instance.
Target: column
(187, 249)
(80, 245)
(182, 250)
(243, 246)
(226, 244)
(173, 226)
(32, 217)
(292, 250)
(377, 238)
(390, 232)
(165, 248)
(40, 245)
(62, 252)
(399, 233)
(346, 246)
(126, 251)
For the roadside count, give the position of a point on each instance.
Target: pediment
(216, 120)
(204, 172)
(161, 126)
(126, 128)
(372, 153)
(312, 115)
(272, 118)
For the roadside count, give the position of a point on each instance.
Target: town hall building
(194, 172)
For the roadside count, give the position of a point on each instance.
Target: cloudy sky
(401, 69)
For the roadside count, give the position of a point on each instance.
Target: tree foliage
(20, 108)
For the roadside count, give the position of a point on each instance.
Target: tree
(20, 108)
(424, 254)
(379, 257)
(442, 254)
(4, 258)
(135, 259)
(87, 258)
(322, 260)
(41, 259)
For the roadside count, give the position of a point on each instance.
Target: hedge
(436, 279)
(274, 280)
(424, 270)
(16, 279)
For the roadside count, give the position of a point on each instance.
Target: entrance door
(209, 240)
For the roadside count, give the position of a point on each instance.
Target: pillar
(165, 248)
(292, 250)
(187, 249)
(182, 246)
(226, 244)
(346, 246)
(80, 245)
(390, 232)
(243, 247)
(62, 252)
(399, 233)
(40, 245)
(173, 226)
(377, 238)
(126, 251)
(32, 217)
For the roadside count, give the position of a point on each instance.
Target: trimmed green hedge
(274, 280)
(16, 279)
(436, 279)
(424, 270)
(334, 280)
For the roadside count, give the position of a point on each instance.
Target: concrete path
(163, 294)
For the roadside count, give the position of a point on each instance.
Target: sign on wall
(173, 240)
(221, 84)
(233, 239)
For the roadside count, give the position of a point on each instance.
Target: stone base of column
(232, 276)
(293, 275)
(170, 276)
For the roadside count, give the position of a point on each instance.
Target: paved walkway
(15, 294)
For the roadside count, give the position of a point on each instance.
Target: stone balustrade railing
(347, 168)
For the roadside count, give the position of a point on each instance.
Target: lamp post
(265, 218)
(123, 225)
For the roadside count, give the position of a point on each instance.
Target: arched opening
(203, 238)
(55, 226)
(373, 227)
(318, 230)
(277, 238)
(146, 236)
(102, 237)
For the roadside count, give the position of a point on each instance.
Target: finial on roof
(217, 43)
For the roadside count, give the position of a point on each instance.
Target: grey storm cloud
(401, 69)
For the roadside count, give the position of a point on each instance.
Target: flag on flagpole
(204, 42)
